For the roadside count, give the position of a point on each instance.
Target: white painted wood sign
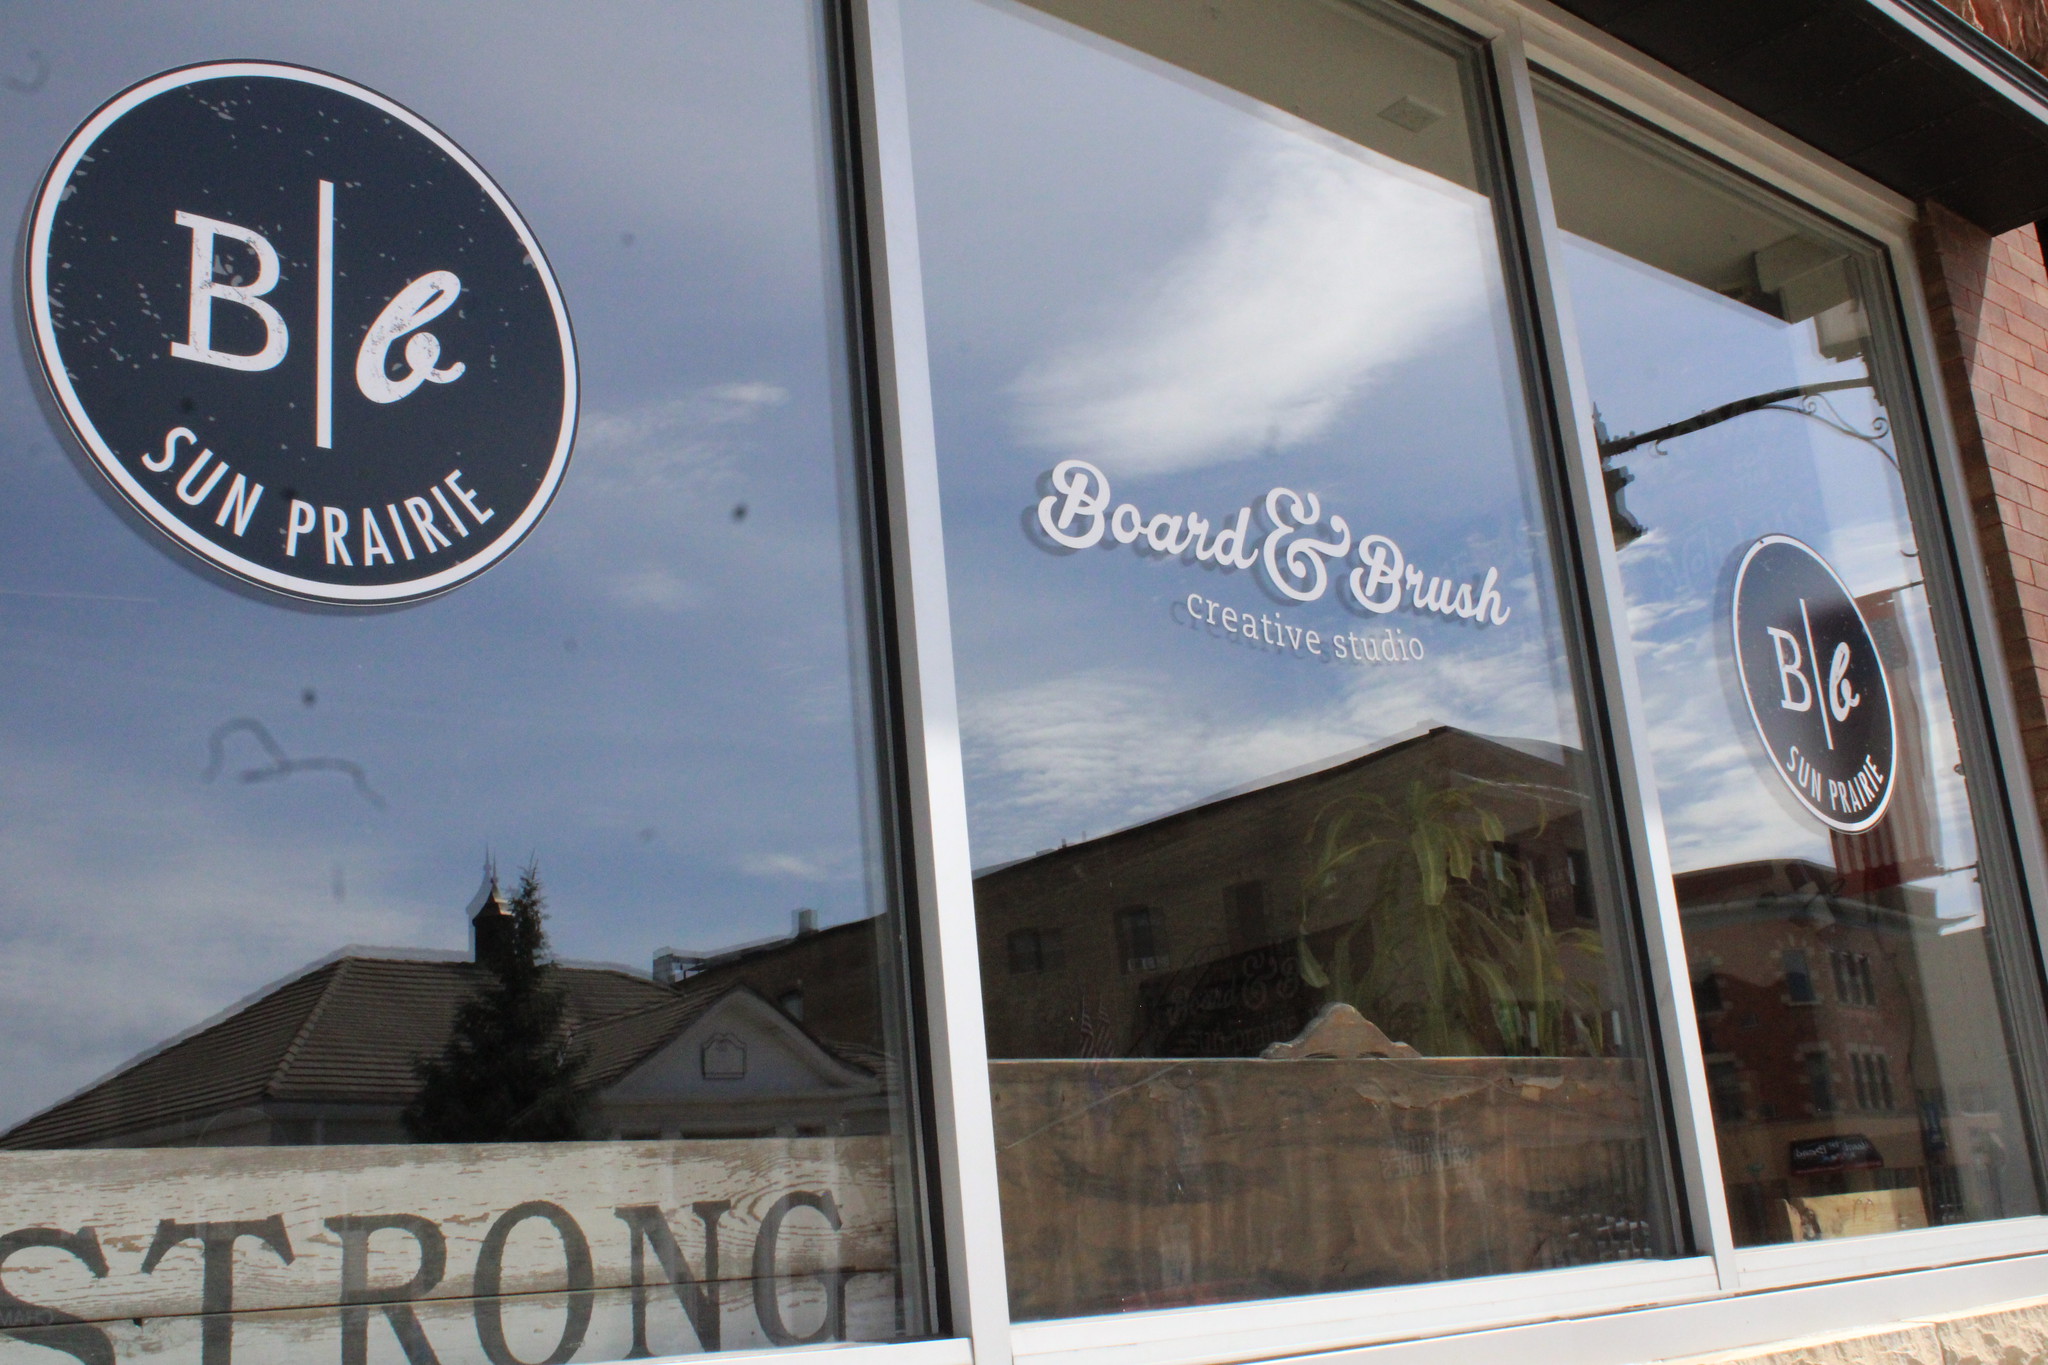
(515, 1254)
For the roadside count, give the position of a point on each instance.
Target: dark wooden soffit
(1946, 115)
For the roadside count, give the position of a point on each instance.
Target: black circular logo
(1814, 683)
(302, 333)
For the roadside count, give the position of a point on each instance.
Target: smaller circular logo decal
(1814, 683)
(301, 332)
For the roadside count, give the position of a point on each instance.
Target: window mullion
(960, 1102)
(1641, 817)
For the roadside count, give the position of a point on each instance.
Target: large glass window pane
(1302, 962)
(1754, 415)
(686, 1132)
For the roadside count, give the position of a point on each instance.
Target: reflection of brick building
(1905, 845)
(824, 977)
(1178, 937)
(1812, 1007)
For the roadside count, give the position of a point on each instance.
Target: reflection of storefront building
(1810, 1006)
(1225, 932)
(1156, 941)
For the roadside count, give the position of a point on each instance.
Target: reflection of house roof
(872, 1060)
(347, 1030)
(615, 1046)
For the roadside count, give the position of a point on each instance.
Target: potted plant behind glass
(1442, 935)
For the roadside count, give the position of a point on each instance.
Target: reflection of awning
(1847, 1152)
(1902, 90)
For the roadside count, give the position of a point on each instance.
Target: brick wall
(1989, 299)
(2021, 26)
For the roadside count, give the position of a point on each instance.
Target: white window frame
(1722, 1298)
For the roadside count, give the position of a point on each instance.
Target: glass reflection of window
(230, 791)
(1820, 1083)
(1034, 950)
(1798, 978)
(1268, 698)
(1248, 927)
(1138, 939)
(1706, 994)
(1747, 376)
(1724, 1080)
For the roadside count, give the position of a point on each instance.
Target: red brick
(2025, 399)
(1989, 303)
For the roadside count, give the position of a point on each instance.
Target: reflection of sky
(1206, 300)
(650, 696)
(1659, 349)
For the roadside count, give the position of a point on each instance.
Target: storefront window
(286, 777)
(1753, 419)
(1302, 961)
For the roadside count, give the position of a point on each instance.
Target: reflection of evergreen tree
(508, 1073)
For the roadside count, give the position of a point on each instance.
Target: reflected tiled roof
(615, 1046)
(349, 1031)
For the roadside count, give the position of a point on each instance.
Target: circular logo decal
(302, 333)
(1814, 683)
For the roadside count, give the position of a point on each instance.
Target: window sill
(1564, 1319)
(1851, 1257)
(1269, 1328)
(1641, 1309)
(946, 1351)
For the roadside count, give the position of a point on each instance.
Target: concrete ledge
(2002, 1334)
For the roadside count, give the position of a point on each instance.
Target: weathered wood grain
(458, 1193)
(1133, 1183)
(531, 1329)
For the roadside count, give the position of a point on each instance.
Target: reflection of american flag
(1097, 1027)
(1904, 846)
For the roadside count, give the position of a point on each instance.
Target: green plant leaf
(1311, 970)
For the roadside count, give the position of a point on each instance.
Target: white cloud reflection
(1082, 755)
(1320, 268)
(670, 437)
(816, 866)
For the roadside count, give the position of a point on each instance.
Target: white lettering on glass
(240, 503)
(323, 322)
(1383, 567)
(299, 523)
(468, 498)
(334, 530)
(1790, 670)
(241, 497)
(170, 458)
(1078, 512)
(187, 493)
(1842, 698)
(1299, 572)
(414, 306)
(198, 342)
(1081, 493)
